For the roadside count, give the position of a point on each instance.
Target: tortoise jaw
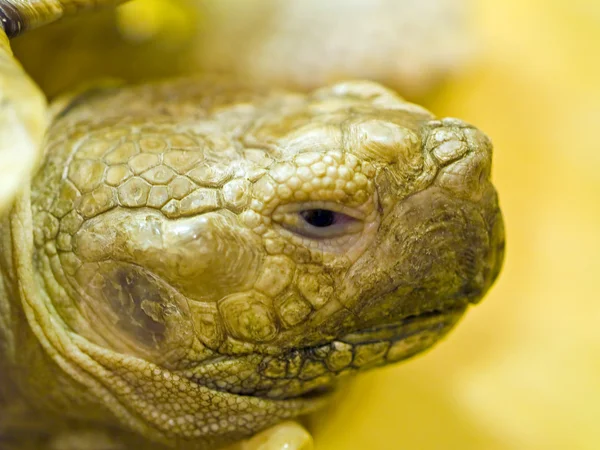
(311, 373)
(436, 320)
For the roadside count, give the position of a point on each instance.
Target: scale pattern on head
(255, 242)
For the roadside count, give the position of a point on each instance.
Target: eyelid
(289, 218)
(332, 206)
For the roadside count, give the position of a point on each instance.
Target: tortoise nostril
(467, 177)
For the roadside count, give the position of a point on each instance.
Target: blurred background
(522, 370)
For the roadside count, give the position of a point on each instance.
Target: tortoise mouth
(314, 372)
(406, 327)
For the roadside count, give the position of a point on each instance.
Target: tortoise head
(262, 243)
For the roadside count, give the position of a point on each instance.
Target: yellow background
(523, 369)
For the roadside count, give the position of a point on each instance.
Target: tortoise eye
(320, 218)
(319, 223)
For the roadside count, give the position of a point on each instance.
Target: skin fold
(197, 261)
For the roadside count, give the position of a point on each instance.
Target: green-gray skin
(197, 260)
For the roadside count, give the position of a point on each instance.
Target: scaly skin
(161, 279)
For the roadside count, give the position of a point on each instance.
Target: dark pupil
(319, 217)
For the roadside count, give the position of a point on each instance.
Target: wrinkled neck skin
(159, 277)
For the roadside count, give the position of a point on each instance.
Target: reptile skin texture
(198, 260)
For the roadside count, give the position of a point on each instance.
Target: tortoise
(197, 260)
